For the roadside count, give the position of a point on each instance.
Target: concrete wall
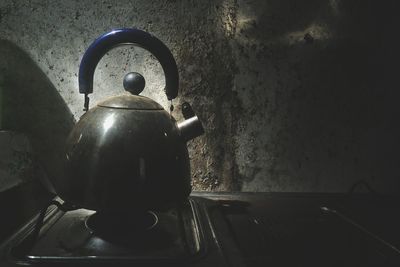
(294, 95)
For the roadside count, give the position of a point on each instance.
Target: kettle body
(127, 153)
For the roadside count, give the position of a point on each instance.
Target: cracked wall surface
(294, 95)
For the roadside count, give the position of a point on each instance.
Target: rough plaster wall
(294, 95)
(318, 86)
(326, 87)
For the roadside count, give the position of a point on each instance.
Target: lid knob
(134, 83)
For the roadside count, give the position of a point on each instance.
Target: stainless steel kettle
(128, 153)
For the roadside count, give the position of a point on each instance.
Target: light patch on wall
(229, 18)
(334, 4)
(318, 32)
(244, 22)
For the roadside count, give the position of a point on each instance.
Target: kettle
(128, 153)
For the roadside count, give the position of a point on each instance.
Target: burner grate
(82, 235)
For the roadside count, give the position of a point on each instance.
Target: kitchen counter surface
(312, 229)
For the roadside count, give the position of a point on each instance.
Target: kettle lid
(134, 84)
(134, 102)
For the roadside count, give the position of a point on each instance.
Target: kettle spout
(191, 127)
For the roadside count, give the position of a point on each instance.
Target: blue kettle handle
(137, 37)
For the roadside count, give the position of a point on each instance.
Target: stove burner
(115, 223)
(138, 229)
(84, 236)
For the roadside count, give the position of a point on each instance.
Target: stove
(180, 236)
(84, 236)
(215, 229)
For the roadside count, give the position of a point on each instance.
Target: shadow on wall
(326, 98)
(30, 104)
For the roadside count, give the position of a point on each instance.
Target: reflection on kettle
(128, 152)
(108, 122)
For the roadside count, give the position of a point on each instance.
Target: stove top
(241, 229)
(173, 236)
